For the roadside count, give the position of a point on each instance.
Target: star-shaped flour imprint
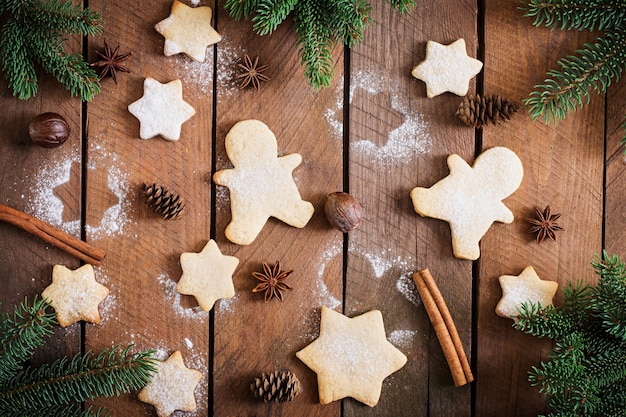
(75, 294)
(261, 185)
(207, 275)
(447, 68)
(351, 357)
(172, 387)
(188, 30)
(526, 287)
(161, 110)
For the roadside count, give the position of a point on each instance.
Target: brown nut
(49, 130)
(343, 211)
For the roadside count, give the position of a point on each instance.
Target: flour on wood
(406, 287)
(402, 338)
(173, 297)
(115, 218)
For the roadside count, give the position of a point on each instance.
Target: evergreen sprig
(58, 388)
(592, 68)
(586, 372)
(319, 26)
(33, 33)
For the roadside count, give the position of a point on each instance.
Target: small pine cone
(162, 201)
(477, 111)
(281, 386)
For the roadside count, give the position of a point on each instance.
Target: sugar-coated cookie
(261, 183)
(207, 275)
(447, 68)
(470, 198)
(75, 294)
(526, 287)
(161, 110)
(351, 357)
(172, 387)
(188, 30)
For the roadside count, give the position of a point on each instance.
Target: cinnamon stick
(444, 326)
(52, 235)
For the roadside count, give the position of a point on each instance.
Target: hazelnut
(343, 211)
(49, 130)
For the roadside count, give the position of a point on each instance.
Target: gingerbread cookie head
(470, 198)
(261, 183)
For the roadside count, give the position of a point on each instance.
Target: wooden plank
(252, 337)
(399, 139)
(32, 178)
(142, 266)
(563, 169)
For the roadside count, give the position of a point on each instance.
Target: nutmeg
(49, 130)
(343, 211)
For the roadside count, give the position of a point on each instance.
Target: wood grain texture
(405, 145)
(563, 168)
(252, 337)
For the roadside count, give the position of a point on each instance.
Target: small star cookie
(207, 275)
(172, 387)
(351, 357)
(75, 294)
(161, 110)
(261, 184)
(447, 68)
(470, 198)
(526, 287)
(188, 30)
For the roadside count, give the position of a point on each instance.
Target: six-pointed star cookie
(161, 110)
(75, 295)
(447, 68)
(351, 357)
(207, 275)
(188, 30)
(172, 387)
(527, 287)
(261, 185)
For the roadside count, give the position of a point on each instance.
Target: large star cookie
(161, 110)
(527, 287)
(75, 294)
(207, 275)
(261, 185)
(351, 357)
(188, 30)
(447, 68)
(470, 198)
(172, 387)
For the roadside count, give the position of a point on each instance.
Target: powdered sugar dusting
(196, 76)
(384, 260)
(227, 59)
(168, 286)
(227, 305)
(44, 204)
(402, 338)
(115, 217)
(406, 287)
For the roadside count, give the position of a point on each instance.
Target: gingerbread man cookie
(261, 184)
(470, 198)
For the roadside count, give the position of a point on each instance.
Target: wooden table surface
(372, 133)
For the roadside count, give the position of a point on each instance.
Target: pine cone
(281, 386)
(162, 201)
(477, 111)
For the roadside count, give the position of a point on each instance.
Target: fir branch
(22, 334)
(593, 68)
(17, 64)
(270, 14)
(61, 16)
(576, 14)
(348, 19)
(63, 382)
(241, 9)
(403, 6)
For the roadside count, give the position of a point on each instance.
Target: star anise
(110, 62)
(251, 72)
(272, 281)
(544, 224)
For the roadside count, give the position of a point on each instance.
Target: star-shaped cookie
(526, 287)
(172, 387)
(261, 184)
(447, 68)
(351, 357)
(75, 294)
(161, 110)
(207, 275)
(188, 30)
